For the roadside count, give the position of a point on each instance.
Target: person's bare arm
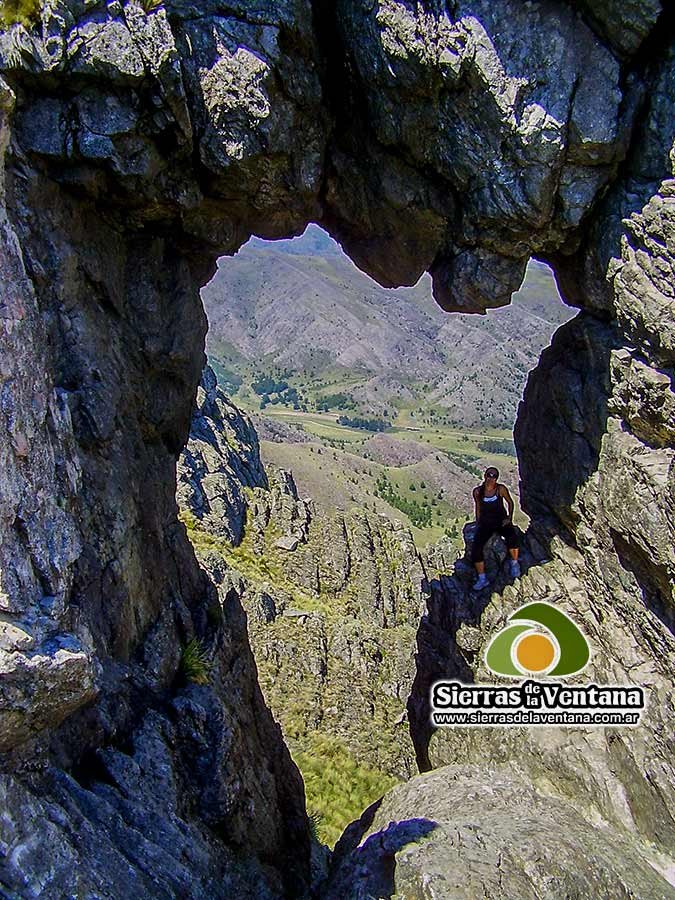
(476, 502)
(504, 491)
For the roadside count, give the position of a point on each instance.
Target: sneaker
(481, 582)
(514, 568)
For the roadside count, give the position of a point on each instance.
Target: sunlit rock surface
(459, 833)
(222, 459)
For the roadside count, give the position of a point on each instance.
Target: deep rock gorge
(459, 138)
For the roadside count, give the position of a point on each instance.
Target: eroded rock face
(101, 347)
(222, 459)
(332, 607)
(458, 138)
(439, 836)
(603, 774)
(516, 138)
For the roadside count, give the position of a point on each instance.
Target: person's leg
(510, 535)
(479, 541)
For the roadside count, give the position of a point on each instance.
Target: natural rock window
(138, 146)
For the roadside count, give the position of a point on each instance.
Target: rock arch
(459, 138)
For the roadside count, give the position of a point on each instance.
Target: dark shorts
(485, 532)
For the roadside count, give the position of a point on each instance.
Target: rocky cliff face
(438, 836)
(220, 462)
(350, 627)
(458, 138)
(102, 346)
(617, 781)
(333, 602)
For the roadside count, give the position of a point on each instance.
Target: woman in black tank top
(492, 512)
(493, 518)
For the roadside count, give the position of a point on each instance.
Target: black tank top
(492, 512)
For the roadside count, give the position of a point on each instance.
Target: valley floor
(421, 475)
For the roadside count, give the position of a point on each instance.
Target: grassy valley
(423, 477)
(374, 398)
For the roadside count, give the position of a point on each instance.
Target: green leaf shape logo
(498, 654)
(574, 652)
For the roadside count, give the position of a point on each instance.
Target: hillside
(302, 309)
(145, 699)
(348, 620)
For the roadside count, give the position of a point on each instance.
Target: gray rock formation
(618, 776)
(453, 835)
(101, 341)
(503, 142)
(221, 460)
(332, 604)
(456, 138)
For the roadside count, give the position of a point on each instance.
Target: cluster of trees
(335, 401)
(267, 384)
(277, 390)
(460, 460)
(419, 512)
(365, 424)
(497, 445)
(452, 531)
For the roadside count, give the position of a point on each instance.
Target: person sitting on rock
(492, 518)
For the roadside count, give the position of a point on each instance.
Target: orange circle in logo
(535, 652)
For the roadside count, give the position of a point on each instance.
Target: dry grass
(338, 788)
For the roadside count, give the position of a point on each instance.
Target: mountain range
(302, 307)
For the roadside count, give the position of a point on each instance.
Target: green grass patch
(322, 425)
(337, 788)
(195, 664)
